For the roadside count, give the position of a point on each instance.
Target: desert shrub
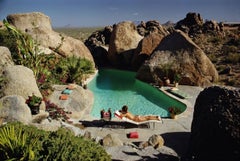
(215, 39)
(235, 41)
(81, 33)
(229, 49)
(213, 57)
(22, 142)
(233, 58)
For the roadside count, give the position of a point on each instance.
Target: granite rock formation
(123, 42)
(153, 26)
(193, 24)
(6, 58)
(39, 27)
(178, 54)
(19, 80)
(145, 48)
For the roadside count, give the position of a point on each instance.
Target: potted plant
(34, 103)
(173, 111)
(166, 69)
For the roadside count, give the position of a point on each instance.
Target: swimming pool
(114, 88)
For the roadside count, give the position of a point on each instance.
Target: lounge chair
(117, 114)
(178, 93)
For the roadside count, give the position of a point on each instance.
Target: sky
(92, 13)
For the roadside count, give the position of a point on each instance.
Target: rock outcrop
(14, 108)
(39, 27)
(124, 39)
(152, 26)
(145, 48)
(111, 140)
(79, 101)
(215, 133)
(178, 54)
(191, 24)
(98, 43)
(6, 58)
(19, 80)
(156, 141)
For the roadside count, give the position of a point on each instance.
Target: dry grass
(81, 33)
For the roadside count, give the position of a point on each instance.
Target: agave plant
(14, 146)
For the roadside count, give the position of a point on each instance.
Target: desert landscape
(44, 73)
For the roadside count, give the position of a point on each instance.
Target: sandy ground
(175, 132)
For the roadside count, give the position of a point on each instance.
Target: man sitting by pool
(124, 113)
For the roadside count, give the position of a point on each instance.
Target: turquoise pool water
(115, 88)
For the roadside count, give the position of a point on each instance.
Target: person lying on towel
(124, 113)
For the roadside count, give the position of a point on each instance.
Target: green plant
(34, 102)
(174, 110)
(166, 68)
(56, 112)
(14, 145)
(73, 69)
(49, 146)
(62, 145)
(8, 40)
(26, 52)
(177, 77)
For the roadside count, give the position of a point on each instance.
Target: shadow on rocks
(178, 141)
(161, 157)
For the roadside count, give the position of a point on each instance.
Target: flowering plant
(174, 110)
(56, 112)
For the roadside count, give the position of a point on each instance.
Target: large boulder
(215, 132)
(145, 48)
(124, 39)
(98, 43)
(26, 21)
(6, 58)
(14, 108)
(78, 102)
(111, 140)
(39, 27)
(178, 54)
(19, 80)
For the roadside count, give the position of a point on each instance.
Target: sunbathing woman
(124, 113)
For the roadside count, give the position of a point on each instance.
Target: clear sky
(87, 13)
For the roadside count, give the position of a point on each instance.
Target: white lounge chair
(117, 114)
